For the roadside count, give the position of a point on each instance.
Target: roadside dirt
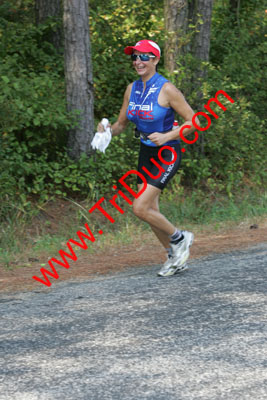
(144, 251)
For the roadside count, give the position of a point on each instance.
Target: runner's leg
(161, 235)
(146, 208)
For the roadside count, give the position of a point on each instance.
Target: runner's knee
(139, 210)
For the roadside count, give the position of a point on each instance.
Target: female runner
(150, 103)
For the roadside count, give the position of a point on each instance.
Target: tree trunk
(175, 12)
(45, 9)
(201, 49)
(181, 36)
(202, 38)
(201, 45)
(78, 75)
(186, 33)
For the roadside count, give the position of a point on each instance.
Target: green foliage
(232, 152)
(238, 50)
(233, 146)
(34, 121)
(32, 107)
(23, 172)
(32, 99)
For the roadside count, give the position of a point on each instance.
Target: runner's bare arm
(122, 121)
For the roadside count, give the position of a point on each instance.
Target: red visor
(144, 46)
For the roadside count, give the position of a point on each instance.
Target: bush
(24, 172)
(32, 99)
(229, 155)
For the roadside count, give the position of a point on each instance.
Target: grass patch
(201, 208)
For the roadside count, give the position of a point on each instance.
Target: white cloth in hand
(101, 140)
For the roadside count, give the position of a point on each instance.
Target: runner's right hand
(100, 128)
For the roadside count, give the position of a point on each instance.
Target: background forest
(229, 159)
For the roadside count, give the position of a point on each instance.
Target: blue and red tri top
(144, 110)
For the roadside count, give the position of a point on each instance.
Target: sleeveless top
(145, 111)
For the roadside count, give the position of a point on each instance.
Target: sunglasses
(142, 57)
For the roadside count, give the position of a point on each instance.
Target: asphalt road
(132, 335)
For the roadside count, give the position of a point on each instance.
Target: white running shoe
(180, 251)
(176, 262)
(169, 269)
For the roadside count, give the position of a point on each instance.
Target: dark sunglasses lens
(142, 57)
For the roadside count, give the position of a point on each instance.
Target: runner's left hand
(158, 138)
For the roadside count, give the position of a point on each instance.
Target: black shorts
(168, 161)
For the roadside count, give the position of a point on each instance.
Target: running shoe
(180, 251)
(169, 269)
(176, 262)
